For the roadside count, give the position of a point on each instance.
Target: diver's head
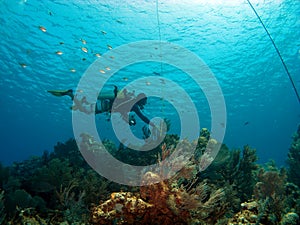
(141, 100)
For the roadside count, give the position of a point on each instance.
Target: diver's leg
(60, 93)
(69, 93)
(115, 91)
(97, 110)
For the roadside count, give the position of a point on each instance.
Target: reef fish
(84, 49)
(42, 28)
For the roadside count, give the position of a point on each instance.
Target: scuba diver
(122, 102)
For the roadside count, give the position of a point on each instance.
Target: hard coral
(290, 218)
(121, 208)
(247, 215)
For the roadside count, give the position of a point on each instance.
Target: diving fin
(60, 93)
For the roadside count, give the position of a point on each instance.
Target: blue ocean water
(262, 108)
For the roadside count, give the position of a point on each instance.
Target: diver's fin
(60, 93)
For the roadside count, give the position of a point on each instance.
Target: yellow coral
(212, 142)
(248, 215)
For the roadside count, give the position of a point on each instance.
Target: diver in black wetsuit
(123, 101)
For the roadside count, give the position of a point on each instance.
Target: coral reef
(178, 200)
(275, 201)
(160, 203)
(60, 188)
(275, 196)
(269, 193)
(250, 214)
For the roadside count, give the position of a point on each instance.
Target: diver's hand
(155, 129)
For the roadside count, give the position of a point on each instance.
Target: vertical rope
(159, 33)
(283, 63)
(160, 54)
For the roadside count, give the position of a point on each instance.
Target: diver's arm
(139, 113)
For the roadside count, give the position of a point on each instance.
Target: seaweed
(96, 187)
(68, 151)
(246, 176)
(235, 168)
(18, 199)
(294, 159)
(269, 191)
(4, 175)
(2, 208)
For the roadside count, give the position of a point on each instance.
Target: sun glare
(215, 2)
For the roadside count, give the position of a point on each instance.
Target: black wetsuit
(136, 109)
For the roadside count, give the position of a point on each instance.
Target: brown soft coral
(152, 206)
(181, 199)
(270, 184)
(167, 204)
(162, 203)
